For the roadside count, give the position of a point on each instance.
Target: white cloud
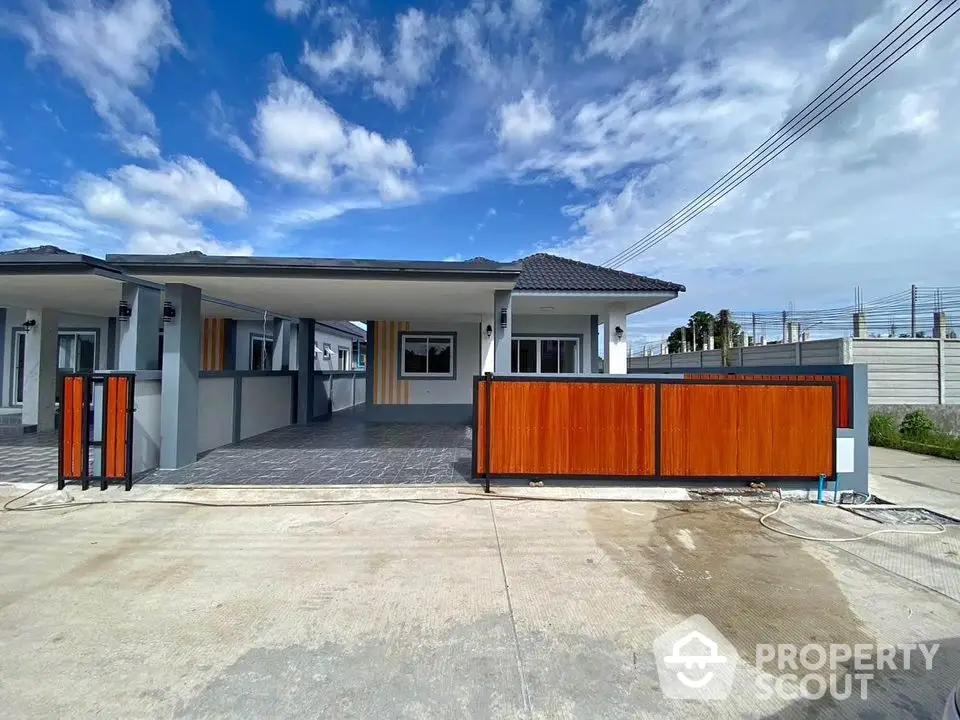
(289, 8)
(418, 41)
(162, 206)
(866, 198)
(302, 139)
(168, 243)
(525, 121)
(527, 11)
(220, 127)
(112, 51)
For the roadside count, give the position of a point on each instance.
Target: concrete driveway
(463, 607)
(909, 479)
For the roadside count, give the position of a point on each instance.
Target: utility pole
(913, 311)
(754, 328)
(784, 340)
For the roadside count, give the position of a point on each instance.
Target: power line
(789, 133)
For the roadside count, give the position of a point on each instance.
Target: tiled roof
(558, 274)
(38, 250)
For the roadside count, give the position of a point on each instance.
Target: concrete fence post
(941, 370)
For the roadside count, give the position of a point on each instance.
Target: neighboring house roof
(38, 250)
(344, 327)
(558, 274)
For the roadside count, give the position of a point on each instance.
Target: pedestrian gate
(96, 429)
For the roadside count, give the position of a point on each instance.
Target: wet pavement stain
(717, 561)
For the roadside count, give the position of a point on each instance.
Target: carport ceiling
(88, 293)
(361, 298)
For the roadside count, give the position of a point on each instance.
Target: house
(431, 327)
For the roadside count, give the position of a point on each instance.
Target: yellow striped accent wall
(213, 347)
(388, 389)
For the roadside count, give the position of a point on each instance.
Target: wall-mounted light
(503, 319)
(169, 312)
(618, 331)
(29, 324)
(123, 311)
(489, 330)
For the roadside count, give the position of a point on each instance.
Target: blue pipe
(820, 482)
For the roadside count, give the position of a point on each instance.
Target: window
(426, 356)
(545, 355)
(76, 351)
(261, 352)
(327, 350)
(343, 358)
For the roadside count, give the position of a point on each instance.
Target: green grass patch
(916, 434)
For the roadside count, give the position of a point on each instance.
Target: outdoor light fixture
(29, 324)
(618, 331)
(489, 330)
(123, 311)
(169, 312)
(503, 318)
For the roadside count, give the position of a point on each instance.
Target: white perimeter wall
(215, 413)
(146, 425)
(265, 404)
(15, 318)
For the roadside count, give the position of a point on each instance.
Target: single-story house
(431, 327)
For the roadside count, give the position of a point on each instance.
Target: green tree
(697, 330)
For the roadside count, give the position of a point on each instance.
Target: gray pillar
(593, 366)
(305, 339)
(181, 378)
(111, 359)
(502, 335)
(40, 370)
(860, 412)
(140, 334)
(3, 338)
(230, 345)
(370, 363)
(281, 344)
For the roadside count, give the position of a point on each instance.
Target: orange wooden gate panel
(73, 428)
(115, 433)
(568, 428)
(754, 430)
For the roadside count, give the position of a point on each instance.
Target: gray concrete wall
(146, 423)
(265, 403)
(216, 412)
(902, 371)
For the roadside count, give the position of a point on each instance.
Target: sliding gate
(652, 428)
(96, 429)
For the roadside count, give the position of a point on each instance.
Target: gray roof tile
(559, 274)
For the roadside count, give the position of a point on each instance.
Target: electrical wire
(781, 142)
(940, 529)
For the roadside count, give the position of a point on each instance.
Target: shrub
(883, 430)
(917, 426)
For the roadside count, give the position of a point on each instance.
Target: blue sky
(495, 128)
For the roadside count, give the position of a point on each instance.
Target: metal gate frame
(76, 432)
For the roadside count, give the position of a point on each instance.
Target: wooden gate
(96, 414)
(606, 427)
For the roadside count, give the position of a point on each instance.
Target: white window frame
(450, 338)
(20, 336)
(343, 354)
(541, 338)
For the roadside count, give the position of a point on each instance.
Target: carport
(184, 413)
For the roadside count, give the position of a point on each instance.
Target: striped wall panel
(388, 388)
(213, 347)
